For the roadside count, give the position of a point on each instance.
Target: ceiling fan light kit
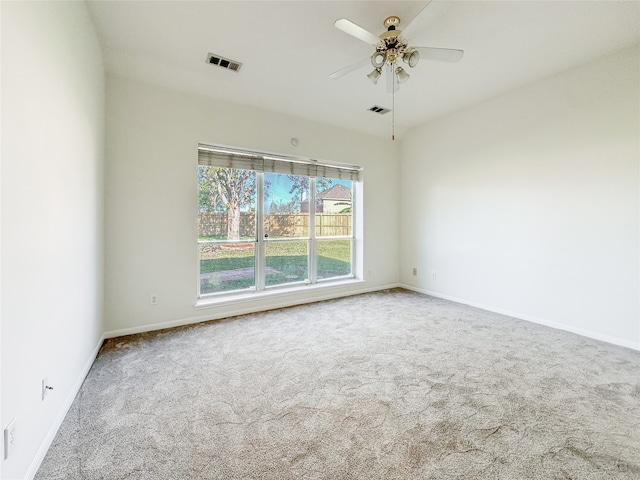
(402, 75)
(378, 59)
(375, 75)
(389, 46)
(411, 58)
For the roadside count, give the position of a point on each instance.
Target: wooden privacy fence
(215, 224)
(277, 224)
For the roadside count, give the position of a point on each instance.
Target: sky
(280, 185)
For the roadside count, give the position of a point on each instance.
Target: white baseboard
(240, 309)
(57, 422)
(528, 318)
(288, 302)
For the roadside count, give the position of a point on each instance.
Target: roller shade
(234, 158)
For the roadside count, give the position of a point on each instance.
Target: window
(267, 221)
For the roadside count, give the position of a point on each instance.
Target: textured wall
(528, 203)
(151, 198)
(52, 178)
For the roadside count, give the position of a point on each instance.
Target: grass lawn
(286, 262)
(208, 238)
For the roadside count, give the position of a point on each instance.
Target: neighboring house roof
(337, 192)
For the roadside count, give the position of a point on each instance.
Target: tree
(285, 207)
(207, 193)
(347, 209)
(227, 189)
(300, 185)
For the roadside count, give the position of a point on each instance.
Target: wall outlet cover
(43, 385)
(9, 438)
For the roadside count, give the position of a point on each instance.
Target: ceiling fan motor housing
(392, 45)
(391, 22)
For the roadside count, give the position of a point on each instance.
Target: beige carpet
(388, 385)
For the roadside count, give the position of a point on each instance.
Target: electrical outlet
(434, 275)
(415, 271)
(370, 273)
(44, 387)
(9, 438)
(153, 299)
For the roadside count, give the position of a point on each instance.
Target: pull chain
(393, 105)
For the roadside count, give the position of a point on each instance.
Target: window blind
(225, 157)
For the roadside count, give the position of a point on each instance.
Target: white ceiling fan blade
(347, 26)
(349, 68)
(440, 54)
(409, 29)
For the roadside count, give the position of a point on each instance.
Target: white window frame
(257, 161)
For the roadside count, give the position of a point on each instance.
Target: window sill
(239, 298)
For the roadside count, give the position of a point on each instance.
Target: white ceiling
(289, 48)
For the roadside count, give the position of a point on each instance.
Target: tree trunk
(233, 222)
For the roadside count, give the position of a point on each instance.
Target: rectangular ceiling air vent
(380, 110)
(214, 59)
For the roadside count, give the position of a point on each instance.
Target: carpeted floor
(388, 385)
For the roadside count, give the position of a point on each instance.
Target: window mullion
(313, 270)
(260, 259)
(354, 209)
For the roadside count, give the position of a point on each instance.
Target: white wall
(528, 204)
(151, 198)
(52, 162)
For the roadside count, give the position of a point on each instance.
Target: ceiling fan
(389, 47)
